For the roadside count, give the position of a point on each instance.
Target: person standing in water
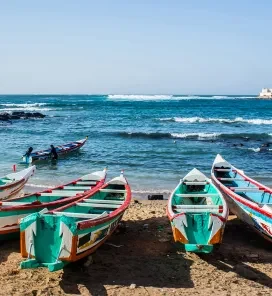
(28, 152)
(27, 155)
(53, 153)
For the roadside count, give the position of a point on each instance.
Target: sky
(135, 46)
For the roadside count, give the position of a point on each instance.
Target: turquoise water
(155, 139)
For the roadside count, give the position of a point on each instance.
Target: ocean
(155, 139)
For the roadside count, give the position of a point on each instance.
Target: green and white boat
(54, 238)
(197, 212)
(17, 208)
(13, 183)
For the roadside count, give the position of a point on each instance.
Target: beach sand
(142, 259)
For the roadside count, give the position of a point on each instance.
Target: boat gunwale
(53, 203)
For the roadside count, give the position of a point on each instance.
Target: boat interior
(99, 205)
(5, 181)
(196, 197)
(240, 185)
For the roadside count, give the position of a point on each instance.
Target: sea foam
(196, 119)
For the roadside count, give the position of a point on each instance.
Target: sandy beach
(142, 259)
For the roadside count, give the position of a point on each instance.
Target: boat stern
(46, 240)
(198, 232)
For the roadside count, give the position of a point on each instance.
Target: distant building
(266, 93)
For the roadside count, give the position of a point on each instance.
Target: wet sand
(142, 259)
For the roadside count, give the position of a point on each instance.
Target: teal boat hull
(198, 248)
(197, 212)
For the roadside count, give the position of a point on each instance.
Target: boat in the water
(54, 238)
(13, 183)
(61, 150)
(14, 209)
(197, 212)
(248, 199)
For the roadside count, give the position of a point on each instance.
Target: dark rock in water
(20, 115)
(155, 197)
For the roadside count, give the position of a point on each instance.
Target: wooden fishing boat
(248, 199)
(67, 234)
(197, 212)
(14, 209)
(61, 150)
(13, 183)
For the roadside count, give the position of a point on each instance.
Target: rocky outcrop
(20, 115)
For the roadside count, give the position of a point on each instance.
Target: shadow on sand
(241, 248)
(12, 245)
(146, 258)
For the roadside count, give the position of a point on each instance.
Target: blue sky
(135, 46)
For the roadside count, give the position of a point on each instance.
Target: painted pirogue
(197, 212)
(248, 199)
(14, 209)
(13, 183)
(67, 234)
(60, 149)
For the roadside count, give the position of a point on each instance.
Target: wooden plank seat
(14, 203)
(8, 181)
(77, 188)
(77, 215)
(196, 195)
(230, 179)
(62, 193)
(191, 210)
(112, 190)
(104, 206)
(85, 183)
(223, 170)
(198, 206)
(99, 216)
(104, 201)
(246, 189)
(194, 183)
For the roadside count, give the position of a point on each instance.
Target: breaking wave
(196, 136)
(217, 120)
(9, 107)
(259, 150)
(142, 97)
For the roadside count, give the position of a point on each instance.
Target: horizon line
(123, 94)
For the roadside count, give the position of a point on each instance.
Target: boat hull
(12, 212)
(259, 222)
(79, 244)
(258, 215)
(198, 213)
(12, 189)
(62, 150)
(69, 233)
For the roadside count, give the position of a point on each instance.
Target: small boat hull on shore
(62, 150)
(198, 213)
(13, 210)
(13, 183)
(67, 234)
(248, 199)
